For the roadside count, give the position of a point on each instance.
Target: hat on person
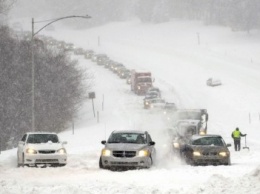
(237, 129)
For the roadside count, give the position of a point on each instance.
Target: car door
(20, 147)
(150, 147)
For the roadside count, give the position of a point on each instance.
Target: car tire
(20, 164)
(100, 164)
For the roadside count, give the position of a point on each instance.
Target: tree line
(60, 87)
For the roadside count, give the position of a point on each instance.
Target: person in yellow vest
(236, 135)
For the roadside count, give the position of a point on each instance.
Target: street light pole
(32, 54)
(32, 57)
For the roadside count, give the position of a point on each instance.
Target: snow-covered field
(180, 65)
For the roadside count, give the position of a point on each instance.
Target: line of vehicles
(132, 149)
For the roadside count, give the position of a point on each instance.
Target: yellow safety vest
(236, 134)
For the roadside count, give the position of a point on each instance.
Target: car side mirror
(151, 143)
(103, 142)
(228, 145)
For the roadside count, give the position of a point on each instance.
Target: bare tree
(6, 5)
(60, 87)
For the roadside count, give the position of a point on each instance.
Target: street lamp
(32, 54)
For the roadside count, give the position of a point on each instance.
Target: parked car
(41, 148)
(213, 82)
(127, 149)
(206, 149)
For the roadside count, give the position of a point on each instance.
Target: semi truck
(141, 82)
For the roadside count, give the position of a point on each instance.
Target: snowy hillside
(181, 56)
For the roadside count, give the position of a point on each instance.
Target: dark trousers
(237, 144)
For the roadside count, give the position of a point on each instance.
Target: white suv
(41, 148)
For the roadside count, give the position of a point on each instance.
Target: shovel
(245, 145)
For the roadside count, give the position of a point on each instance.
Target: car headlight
(106, 152)
(196, 153)
(62, 151)
(143, 153)
(202, 133)
(146, 103)
(139, 87)
(151, 106)
(31, 151)
(176, 145)
(224, 154)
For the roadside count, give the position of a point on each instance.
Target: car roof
(41, 132)
(194, 137)
(157, 100)
(129, 131)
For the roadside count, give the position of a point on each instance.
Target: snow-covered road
(180, 67)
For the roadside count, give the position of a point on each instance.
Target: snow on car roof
(41, 132)
(129, 131)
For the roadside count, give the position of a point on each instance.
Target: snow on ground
(180, 66)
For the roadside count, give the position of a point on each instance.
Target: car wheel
(20, 164)
(100, 164)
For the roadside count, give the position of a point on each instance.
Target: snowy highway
(180, 67)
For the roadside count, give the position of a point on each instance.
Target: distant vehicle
(101, 59)
(128, 79)
(152, 94)
(205, 150)
(128, 149)
(213, 82)
(124, 73)
(169, 108)
(41, 148)
(69, 47)
(88, 54)
(148, 97)
(156, 89)
(154, 103)
(94, 57)
(157, 103)
(117, 66)
(193, 117)
(140, 82)
(79, 51)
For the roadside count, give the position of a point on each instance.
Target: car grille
(46, 161)
(209, 153)
(124, 154)
(125, 163)
(46, 151)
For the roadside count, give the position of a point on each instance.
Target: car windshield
(136, 138)
(42, 138)
(216, 141)
(144, 79)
